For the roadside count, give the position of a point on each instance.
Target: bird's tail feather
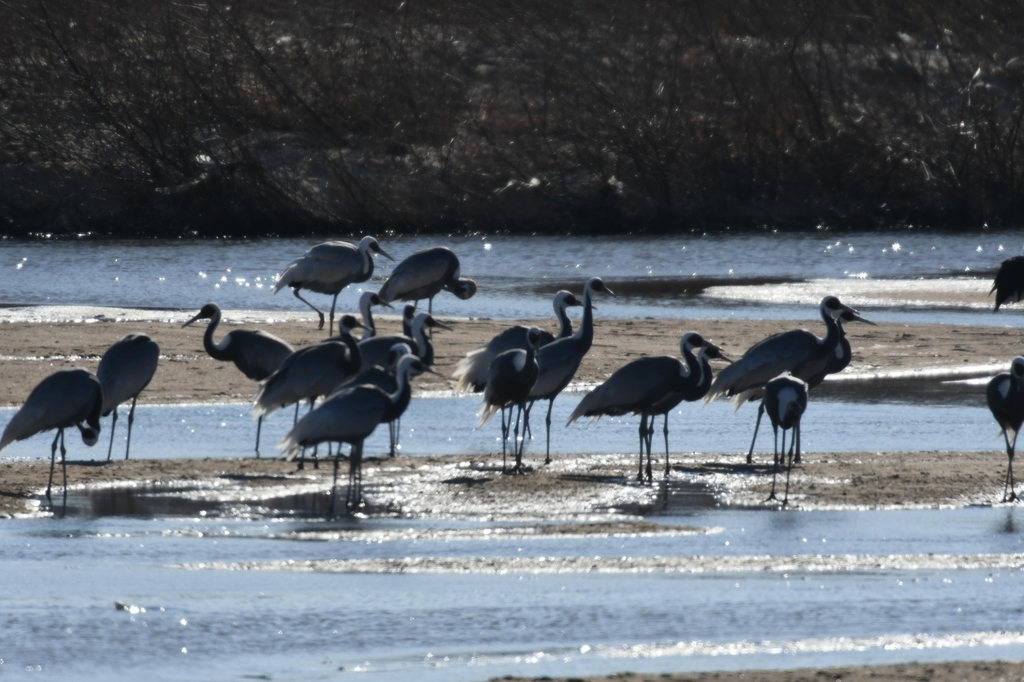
(487, 411)
(466, 371)
(745, 396)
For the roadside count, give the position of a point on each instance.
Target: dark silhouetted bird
(124, 372)
(1005, 394)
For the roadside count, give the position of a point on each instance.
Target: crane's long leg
(518, 468)
(64, 472)
(299, 296)
(356, 467)
(259, 426)
(53, 460)
(789, 467)
(648, 438)
(643, 438)
(547, 425)
(131, 420)
(1010, 449)
(113, 426)
(334, 484)
(504, 439)
(775, 472)
(664, 430)
(330, 324)
(757, 425)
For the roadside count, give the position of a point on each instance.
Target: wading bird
(408, 315)
(124, 372)
(367, 300)
(785, 400)
(797, 351)
(1005, 395)
(383, 377)
(311, 372)
(423, 275)
(510, 379)
(1009, 283)
(558, 361)
(651, 386)
(61, 400)
(375, 350)
(471, 372)
(350, 416)
(328, 268)
(255, 353)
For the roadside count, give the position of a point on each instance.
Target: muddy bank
(571, 489)
(958, 671)
(187, 374)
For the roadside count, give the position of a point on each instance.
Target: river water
(272, 594)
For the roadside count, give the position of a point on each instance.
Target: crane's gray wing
(374, 351)
(632, 388)
(306, 373)
(471, 371)
(257, 354)
(126, 369)
(420, 270)
(349, 416)
(60, 400)
(557, 363)
(322, 267)
(764, 361)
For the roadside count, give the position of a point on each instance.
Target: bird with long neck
(255, 353)
(375, 350)
(1005, 397)
(367, 300)
(511, 377)
(558, 361)
(472, 370)
(649, 386)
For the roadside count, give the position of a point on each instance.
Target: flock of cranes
(366, 382)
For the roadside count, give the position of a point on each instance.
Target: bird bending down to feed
(797, 351)
(1009, 282)
(558, 361)
(255, 353)
(311, 372)
(785, 400)
(124, 372)
(375, 350)
(72, 397)
(367, 300)
(651, 386)
(511, 376)
(1005, 394)
(423, 275)
(471, 372)
(328, 268)
(350, 416)
(383, 377)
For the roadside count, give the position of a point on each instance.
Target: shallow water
(64, 577)
(518, 275)
(447, 426)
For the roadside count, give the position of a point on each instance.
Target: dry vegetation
(273, 117)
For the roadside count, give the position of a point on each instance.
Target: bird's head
(408, 313)
(1017, 368)
(533, 337)
(411, 366)
(396, 352)
(347, 323)
(464, 289)
(370, 244)
(90, 434)
(370, 298)
(564, 299)
(207, 312)
(427, 321)
(833, 307)
(597, 284)
(693, 341)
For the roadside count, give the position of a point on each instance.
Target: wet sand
(187, 374)
(571, 489)
(960, 671)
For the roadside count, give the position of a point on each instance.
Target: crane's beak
(440, 325)
(386, 305)
(427, 369)
(714, 351)
(197, 317)
(851, 315)
(609, 291)
(384, 253)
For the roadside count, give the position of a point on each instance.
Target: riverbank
(956, 671)
(187, 374)
(570, 489)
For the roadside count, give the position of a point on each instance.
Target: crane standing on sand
(255, 353)
(797, 351)
(785, 400)
(423, 275)
(328, 268)
(1005, 395)
(124, 372)
(651, 386)
(72, 397)
(510, 379)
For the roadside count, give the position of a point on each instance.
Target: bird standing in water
(1005, 394)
